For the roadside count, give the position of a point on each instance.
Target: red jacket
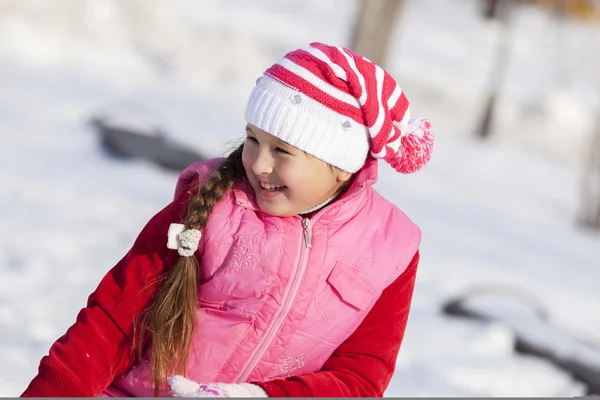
(97, 347)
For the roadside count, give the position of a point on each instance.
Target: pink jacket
(278, 295)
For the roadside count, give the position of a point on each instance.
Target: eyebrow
(286, 146)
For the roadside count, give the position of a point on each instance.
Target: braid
(215, 187)
(171, 317)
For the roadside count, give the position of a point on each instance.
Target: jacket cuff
(49, 383)
(284, 388)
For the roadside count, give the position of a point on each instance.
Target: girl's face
(286, 180)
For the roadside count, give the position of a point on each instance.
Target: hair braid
(171, 317)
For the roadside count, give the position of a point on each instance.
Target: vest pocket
(247, 266)
(347, 294)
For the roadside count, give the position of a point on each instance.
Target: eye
(251, 139)
(280, 150)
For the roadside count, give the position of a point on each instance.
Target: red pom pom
(415, 147)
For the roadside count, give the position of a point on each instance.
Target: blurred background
(102, 102)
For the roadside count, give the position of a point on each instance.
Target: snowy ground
(501, 213)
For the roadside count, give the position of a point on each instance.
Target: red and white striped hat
(339, 107)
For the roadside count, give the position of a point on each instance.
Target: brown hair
(171, 316)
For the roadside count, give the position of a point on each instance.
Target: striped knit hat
(339, 107)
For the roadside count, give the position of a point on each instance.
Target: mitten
(183, 387)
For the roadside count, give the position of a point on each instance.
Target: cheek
(294, 177)
(247, 159)
(306, 180)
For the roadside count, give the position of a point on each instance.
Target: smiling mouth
(270, 187)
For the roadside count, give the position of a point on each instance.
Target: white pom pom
(415, 147)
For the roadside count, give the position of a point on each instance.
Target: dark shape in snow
(130, 140)
(534, 334)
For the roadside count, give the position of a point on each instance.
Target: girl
(278, 271)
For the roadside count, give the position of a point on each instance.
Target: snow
(533, 328)
(498, 213)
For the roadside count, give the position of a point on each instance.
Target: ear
(342, 176)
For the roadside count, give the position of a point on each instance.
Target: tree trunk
(373, 28)
(590, 193)
(490, 9)
(498, 10)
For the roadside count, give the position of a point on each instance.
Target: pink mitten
(183, 387)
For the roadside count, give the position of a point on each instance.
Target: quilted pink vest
(278, 295)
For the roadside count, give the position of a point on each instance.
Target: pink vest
(278, 295)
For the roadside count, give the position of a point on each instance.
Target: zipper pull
(306, 225)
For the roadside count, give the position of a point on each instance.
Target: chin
(274, 210)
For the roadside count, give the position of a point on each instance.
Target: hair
(171, 316)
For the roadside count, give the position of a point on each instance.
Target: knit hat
(339, 107)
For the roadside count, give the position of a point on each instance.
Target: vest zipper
(288, 300)
(307, 239)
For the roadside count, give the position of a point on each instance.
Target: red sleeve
(98, 346)
(361, 366)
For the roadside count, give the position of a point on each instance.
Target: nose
(263, 163)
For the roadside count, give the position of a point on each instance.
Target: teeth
(269, 187)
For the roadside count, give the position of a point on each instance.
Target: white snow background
(497, 212)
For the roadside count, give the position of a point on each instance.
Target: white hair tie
(182, 240)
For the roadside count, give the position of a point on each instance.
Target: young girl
(278, 271)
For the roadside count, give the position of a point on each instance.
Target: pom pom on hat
(339, 107)
(415, 147)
